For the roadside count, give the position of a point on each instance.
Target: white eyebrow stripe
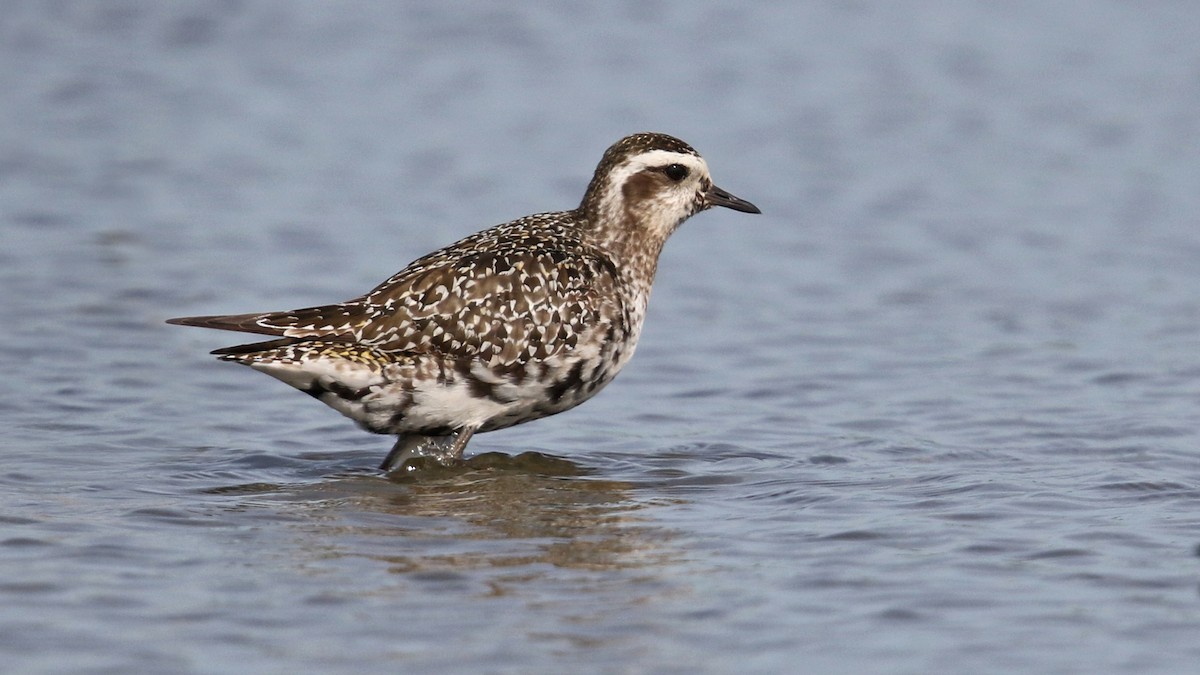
(655, 158)
(665, 157)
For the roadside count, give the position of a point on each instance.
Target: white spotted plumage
(520, 321)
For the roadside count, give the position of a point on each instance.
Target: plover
(514, 323)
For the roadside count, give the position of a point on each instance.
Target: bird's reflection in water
(490, 511)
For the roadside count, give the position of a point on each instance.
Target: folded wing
(502, 306)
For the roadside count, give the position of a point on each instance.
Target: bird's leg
(444, 449)
(461, 438)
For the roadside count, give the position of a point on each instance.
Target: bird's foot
(445, 450)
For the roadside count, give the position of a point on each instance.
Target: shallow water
(934, 411)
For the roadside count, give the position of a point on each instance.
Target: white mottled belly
(432, 394)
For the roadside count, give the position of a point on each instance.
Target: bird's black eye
(675, 172)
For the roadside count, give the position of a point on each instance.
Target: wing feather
(501, 298)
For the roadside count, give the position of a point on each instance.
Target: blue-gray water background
(935, 411)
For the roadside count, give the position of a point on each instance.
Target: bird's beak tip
(718, 197)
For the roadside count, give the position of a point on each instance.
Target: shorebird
(514, 323)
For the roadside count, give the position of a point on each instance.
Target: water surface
(934, 411)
